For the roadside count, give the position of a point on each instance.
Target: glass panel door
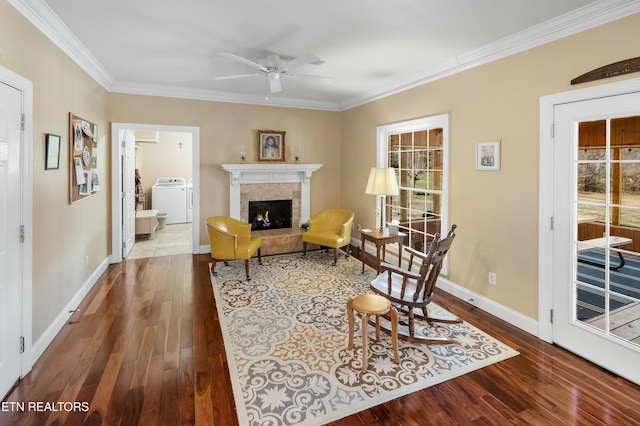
(607, 200)
(596, 248)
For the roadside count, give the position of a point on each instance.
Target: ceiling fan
(273, 67)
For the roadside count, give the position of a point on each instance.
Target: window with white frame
(418, 150)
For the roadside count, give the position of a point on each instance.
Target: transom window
(418, 151)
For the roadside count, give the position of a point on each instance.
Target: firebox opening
(272, 214)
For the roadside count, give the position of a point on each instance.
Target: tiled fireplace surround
(272, 181)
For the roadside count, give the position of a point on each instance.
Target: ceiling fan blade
(317, 78)
(231, 77)
(302, 60)
(244, 61)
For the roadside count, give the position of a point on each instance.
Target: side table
(380, 239)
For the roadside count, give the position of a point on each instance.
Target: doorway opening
(163, 182)
(155, 157)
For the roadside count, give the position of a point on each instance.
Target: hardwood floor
(147, 349)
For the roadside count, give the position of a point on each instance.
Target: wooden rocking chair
(413, 291)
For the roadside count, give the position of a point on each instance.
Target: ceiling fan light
(274, 83)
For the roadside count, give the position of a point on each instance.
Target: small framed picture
(488, 155)
(52, 159)
(271, 145)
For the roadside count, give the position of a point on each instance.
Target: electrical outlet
(492, 278)
(86, 261)
(358, 227)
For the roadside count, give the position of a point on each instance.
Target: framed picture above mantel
(271, 145)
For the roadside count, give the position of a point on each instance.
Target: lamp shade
(382, 182)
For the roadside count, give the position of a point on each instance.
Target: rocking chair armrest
(395, 269)
(415, 252)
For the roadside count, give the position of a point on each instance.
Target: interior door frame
(546, 184)
(26, 210)
(116, 182)
(128, 190)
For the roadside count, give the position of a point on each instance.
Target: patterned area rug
(286, 337)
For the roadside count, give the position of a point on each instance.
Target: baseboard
(38, 347)
(514, 318)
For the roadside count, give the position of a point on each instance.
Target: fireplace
(265, 182)
(260, 182)
(270, 214)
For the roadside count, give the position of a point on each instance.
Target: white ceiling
(370, 48)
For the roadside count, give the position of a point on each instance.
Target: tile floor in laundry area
(173, 239)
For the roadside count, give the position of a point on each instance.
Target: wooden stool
(372, 304)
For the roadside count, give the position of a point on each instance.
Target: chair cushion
(380, 284)
(324, 239)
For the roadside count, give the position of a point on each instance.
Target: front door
(10, 218)
(596, 237)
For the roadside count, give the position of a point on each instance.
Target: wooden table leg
(363, 253)
(350, 319)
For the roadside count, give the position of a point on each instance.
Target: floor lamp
(382, 182)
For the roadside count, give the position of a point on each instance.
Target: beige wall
(63, 234)
(497, 212)
(165, 159)
(226, 127)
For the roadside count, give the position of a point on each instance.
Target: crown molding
(43, 18)
(592, 15)
(135, 88)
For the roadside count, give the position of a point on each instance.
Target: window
(607, 200)
(609, 184)
(418, 151)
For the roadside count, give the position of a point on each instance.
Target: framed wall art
(52, 152)
(271, 145)
(488, 155)
(83, 154)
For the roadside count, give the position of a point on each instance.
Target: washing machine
(190, 200)
(169, 195)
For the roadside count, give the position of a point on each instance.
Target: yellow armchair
(329, 228)
(231, 239)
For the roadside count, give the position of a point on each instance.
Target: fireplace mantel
(259, 173)
(263, 173)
